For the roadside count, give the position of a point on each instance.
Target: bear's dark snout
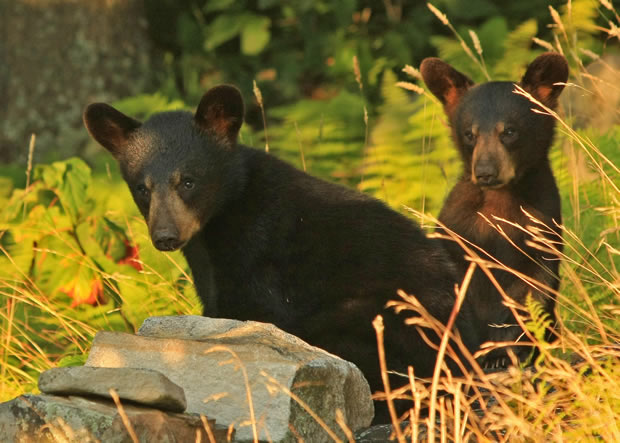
(486, 173)
(166, 239)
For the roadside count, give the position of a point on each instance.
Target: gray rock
(385, 433)
(191, 327)
(48, 418)
(217, 362)
(138, 385)
(375, 434)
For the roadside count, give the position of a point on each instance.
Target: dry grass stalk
(379, 328)
(443, 18)
(586, 145)
(357, 72)
(30, 158)
(274, 385)
(259, 99)
(207, 427)
(548, 46)
(238, 365)
(411, 87)
(29, 165)
(412, 72)
(301, 149)
(124, 418)
(460, 297)
(557, 19)
(340, 420)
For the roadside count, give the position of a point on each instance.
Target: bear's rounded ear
(545, 78)
(445, 82)
(220, 113)
(109, 127)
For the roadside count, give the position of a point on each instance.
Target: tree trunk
(56, 56)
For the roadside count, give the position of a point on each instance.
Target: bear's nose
(486, 173)
(166, 240)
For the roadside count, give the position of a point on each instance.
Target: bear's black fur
(504, 145)
(270, 243)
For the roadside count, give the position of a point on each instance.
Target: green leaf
(218, 5)
(222, 29)
(6, 187)
(74, 186)
(255, 34)
(189, 32)
(92, 248)
(72, 360)
(266, 4)
(144, 105)
(69, 180)
(17, 244)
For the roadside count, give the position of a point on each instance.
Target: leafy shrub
(69, 266)
(304, 48)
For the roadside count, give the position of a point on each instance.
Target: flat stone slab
(51, 419)
(195, 327)
(139, 385)
(250, 375)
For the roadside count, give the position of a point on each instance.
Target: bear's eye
(469, 136)
(142, 190)
(188, 184)
(509, 134)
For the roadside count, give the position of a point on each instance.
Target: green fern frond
(416, 169)
(579, 16)
(539, 320)
(330, 133)
(517, 52)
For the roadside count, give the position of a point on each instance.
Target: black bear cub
(504, 145)
(270, 243)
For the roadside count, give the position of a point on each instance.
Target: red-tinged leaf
(91, 294)
(131, 258)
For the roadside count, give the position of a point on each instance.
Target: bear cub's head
(499, 135)
(180, 167)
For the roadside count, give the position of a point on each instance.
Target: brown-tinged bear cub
(504, 144)
(270, 243)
